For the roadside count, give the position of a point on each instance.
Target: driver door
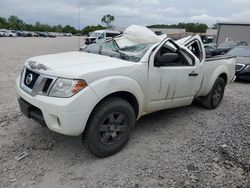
(173, 80)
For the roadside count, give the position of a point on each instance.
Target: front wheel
(214, 98)
(109, 127)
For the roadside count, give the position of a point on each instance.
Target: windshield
(94, 35)
(209, 47)
(110, 48)
(240, 51)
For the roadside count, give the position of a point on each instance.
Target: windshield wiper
(123, 55)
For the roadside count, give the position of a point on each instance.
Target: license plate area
(31, 111)
(25, 107)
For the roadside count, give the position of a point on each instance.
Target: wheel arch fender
(221, 71)
(110, 85)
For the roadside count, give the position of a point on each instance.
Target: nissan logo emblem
(29, 79)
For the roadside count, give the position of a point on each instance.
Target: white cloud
(197, 11)
(205, 18)
(127, 12)
(240, 2)
(171, 10)
(241, 16)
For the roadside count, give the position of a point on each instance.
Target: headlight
(247, 68)
(66, 87)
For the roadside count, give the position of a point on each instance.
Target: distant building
(211, 32)
(170, 32)
(234, 31)
(209, 36)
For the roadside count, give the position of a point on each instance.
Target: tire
(214, 98)
(108, 129)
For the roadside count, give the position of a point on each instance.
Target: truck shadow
(163, 120)
(169, 114)
(67, 148)
(242, 81)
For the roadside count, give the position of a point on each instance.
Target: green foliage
(14, 23)
(3, 23)
(196, 27)
(107, 20)
(69, 29)
(92, 28)
(190, 27)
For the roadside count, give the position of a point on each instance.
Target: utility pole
(79, 27)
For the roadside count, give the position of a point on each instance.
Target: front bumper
(31, 111)
(63, 115)
(243, 75)
(244, 78)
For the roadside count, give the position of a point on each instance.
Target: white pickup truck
(101, 91)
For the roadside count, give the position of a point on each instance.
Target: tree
(15, 23)
(58, 28)
(107, 20)
(3, 23)
(69, 29)
(91, 28)
(37, 26)
(190, 27)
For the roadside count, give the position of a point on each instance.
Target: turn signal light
(79, 85)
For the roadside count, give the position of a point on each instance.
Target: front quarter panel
(111, 84)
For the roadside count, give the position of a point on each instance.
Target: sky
(126, 12)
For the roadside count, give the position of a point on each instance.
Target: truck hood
(75, 64)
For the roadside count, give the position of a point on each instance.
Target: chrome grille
(31, 77)
(40, 84)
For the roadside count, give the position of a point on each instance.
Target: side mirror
(167, 58)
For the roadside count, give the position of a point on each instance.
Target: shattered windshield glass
(94, 35)
(110, 48)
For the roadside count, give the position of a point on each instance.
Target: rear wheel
(214, 98)
(109, 127)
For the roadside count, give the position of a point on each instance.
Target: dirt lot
(184, 147)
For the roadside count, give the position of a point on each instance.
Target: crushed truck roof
(136, 34)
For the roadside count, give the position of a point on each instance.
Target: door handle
(193, 74)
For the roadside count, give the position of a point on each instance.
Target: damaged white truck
(103, 89)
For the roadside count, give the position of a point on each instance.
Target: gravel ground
(183, 147)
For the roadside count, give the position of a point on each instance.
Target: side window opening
(168, 55)
(195, 48)
(101, 36)
(109, 35)
(187, 59)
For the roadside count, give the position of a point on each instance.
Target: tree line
(190, 27)
(15, 23)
